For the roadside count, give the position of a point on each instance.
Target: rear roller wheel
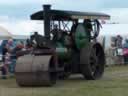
(92, 61)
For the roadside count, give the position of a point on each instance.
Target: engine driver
(56, 33)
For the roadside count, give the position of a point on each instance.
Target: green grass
(113, 83)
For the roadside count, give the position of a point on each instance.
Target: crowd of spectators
(119, 46)
(9, 57)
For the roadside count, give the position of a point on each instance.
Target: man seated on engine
(36, 40)
(56, 32)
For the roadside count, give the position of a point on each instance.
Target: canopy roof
(70, 15)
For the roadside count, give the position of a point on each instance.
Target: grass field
(113, 83)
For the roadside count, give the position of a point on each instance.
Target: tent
(114, 29)
(110, 30)
(4, 34)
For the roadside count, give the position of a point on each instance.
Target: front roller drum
(36, 70)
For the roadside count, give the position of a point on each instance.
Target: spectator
(28, 44)
(4, 67)
(13, 56)
(4, 51)
(125, 45)
(7, 61)
(125, 51)
(118, 41)
(19, 46)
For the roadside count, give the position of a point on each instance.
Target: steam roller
(63, 49)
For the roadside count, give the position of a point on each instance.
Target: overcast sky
(21, 9)
(14, 14)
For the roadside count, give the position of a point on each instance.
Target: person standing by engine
(11, 47)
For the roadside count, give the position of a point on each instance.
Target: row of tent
(5, 35)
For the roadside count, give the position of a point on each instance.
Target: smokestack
(46, 17)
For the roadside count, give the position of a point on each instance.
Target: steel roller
(33, 70)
